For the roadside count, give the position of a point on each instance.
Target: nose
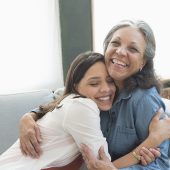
(105, 87)
(121, 51)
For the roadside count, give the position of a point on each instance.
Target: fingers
(157, 115)
(143, 161)
(87, 153)
(94, 163)
(29, 137)
(89, 158)
(38, 134)
(29, 150)
(147, 156)
(29, 145)
(102, 154)
(158, 149)
(23, 149)
(36, 140)
(156, 152)
(33, 145)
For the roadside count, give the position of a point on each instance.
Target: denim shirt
(125, 126)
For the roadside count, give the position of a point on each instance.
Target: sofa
(13, 106)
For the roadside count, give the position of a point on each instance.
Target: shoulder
(150, 95)
(147, 99)
(81, 110)
(136, 96)
(76, 105)
(145, 92)
(82, 102)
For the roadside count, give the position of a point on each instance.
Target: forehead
(130, 33)
(96, 70)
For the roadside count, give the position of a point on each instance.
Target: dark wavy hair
(146, 78)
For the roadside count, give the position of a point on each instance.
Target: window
(30, 55)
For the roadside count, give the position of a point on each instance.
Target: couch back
(12, 107)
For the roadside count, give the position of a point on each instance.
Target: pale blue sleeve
(145, 109)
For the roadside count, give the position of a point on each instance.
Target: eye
(94, 84)
(133, 49)
(114, 43)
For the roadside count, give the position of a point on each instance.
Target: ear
(143, 63)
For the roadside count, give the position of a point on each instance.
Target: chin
(105, 108)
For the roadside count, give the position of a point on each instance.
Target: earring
(140, 69)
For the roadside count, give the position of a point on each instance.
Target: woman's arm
(136, 157)
(159, 130)
(30, 136)
(82, 122)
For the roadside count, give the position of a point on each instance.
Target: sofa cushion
(12, 107)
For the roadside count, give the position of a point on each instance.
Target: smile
(104, 98)
(118, 62)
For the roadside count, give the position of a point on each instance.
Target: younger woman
(71, 120)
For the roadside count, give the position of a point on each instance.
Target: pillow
(167, 106)
(59, 92)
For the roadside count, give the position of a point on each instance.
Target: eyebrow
(134, 43)
(115, 38)
(94, 78)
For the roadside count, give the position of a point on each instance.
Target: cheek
(110, 50)
(107, 54)
(113, 90)
(136, 61)
(110, 71)
(107, 62)
(90, 92)
(82, 90)
(139, 64)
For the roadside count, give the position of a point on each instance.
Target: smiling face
(98, 86)
(125, 53)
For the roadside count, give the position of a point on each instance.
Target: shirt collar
(123, 95)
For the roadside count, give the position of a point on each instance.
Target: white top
(62, 131)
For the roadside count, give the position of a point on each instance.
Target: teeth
(119, 62)
(104, 98)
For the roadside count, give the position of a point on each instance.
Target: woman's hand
(30, 137)
(159, 129)
(149, 155)
(93, 163)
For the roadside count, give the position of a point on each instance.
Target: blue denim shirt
(125, 126)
